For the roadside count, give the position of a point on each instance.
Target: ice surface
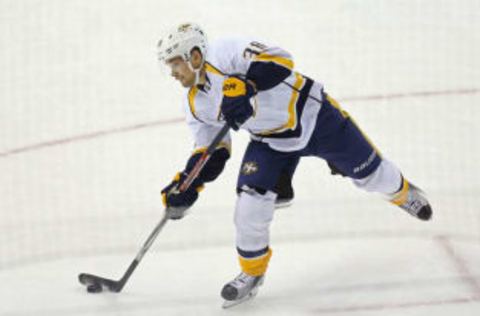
(81, 168)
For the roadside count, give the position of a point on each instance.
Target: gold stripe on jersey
(292, 108)
(285, 62)
(212, 69)
(292, 120)
(191, 100)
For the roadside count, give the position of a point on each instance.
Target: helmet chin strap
(196, 71)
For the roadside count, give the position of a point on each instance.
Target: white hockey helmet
(180, 41)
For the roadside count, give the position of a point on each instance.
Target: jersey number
(253, 49)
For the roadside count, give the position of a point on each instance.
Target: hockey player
(255, 87)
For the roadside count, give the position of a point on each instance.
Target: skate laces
(415, 200)
(243, 279)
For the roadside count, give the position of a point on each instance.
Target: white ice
(69, 69)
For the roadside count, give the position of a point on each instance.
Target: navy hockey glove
(176, 202)
(236, 107)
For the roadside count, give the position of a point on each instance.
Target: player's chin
(186, 84)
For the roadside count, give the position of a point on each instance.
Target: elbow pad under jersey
(212, 169)
(267, 75)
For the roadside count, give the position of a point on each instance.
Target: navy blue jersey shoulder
(267, 75)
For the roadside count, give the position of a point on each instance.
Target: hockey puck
(94, 288)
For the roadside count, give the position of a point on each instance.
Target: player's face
(181, 71)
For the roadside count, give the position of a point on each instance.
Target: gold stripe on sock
(255, 266)
(401, 196)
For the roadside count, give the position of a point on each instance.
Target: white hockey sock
(253, 215)
(386, 179)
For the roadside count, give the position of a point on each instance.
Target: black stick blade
(90, 279)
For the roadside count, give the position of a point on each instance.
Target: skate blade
(283, 204)
(250, 296)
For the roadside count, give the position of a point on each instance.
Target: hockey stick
(96, 283)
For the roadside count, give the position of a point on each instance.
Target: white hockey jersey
(284, 116)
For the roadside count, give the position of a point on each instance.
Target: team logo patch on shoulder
(249, 167)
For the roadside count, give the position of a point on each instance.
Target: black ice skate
(411, 199)
(283, 202)
(284, 190)
(244, 287)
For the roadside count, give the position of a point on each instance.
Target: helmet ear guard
(195, 70)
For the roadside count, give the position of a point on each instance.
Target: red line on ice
(460, 265)
(91, 135)
(384, 306)
(130, 128)
(419, 94)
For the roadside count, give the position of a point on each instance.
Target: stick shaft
(185, 185)
(197, 168)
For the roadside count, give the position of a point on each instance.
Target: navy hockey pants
(336, 139)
